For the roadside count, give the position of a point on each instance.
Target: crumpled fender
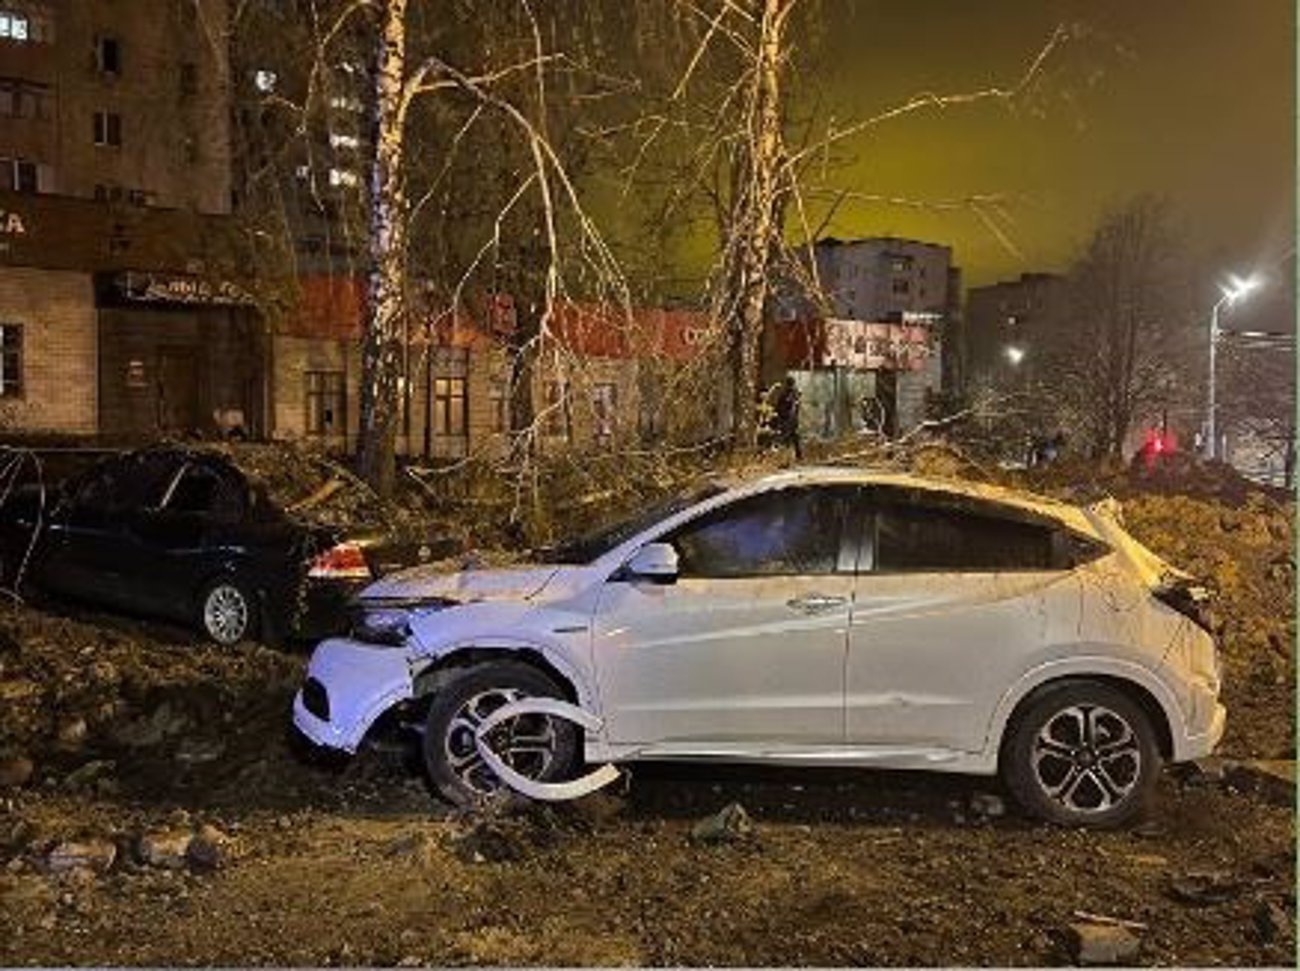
(545, 791)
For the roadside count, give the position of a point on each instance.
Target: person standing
(787, 416)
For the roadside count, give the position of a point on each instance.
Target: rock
(1273, 779)
(15, 771)
(167, 849)
(1102, 944)
(597, 808)
(87, 775)
(729, 825)
(19, 689)
(1209, 771)
(1203, 888)
(208, 849)
(988, 805)
(96, 855)
(1272, 922)
(413, 846)
(193, 751)
(154, 730)
(72, 732)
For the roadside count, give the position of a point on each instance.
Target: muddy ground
(156, 809)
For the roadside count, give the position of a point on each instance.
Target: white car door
(950, 608)
(746, 650)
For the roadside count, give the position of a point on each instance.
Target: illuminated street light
(1237, 289)
(1015, 354)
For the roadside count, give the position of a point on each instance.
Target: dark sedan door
(87, 553)
(178, 545)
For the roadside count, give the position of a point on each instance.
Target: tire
(450, 755)
(228, 612)
(1082, 754)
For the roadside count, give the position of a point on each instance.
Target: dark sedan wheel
(227, 611)
(1082, 754)
(539, 747)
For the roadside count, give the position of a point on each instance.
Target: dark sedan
(184, 535)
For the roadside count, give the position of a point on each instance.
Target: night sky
(1193, 99)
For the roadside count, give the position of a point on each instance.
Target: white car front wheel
(542, 748)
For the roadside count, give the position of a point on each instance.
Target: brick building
(120, 320)
(884, 333)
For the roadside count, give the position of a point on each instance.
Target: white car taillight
(344, 561)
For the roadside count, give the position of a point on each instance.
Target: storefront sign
(11, 224)
(168, 288)
(870, 346)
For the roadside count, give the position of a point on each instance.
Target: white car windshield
(592, 546)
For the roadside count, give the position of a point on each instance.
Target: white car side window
(785, 532)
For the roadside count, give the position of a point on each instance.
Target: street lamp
(1237, 289)
(1014, 354)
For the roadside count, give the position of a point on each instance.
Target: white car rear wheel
(1082, 754)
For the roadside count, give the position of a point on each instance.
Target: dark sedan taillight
(343, 561)
(1190, 600)
(316, 699)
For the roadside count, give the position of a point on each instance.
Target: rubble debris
(730, 824)
(15, 771)
(167, 849)
(95, 855)
(89, 775)
(988, 805)
(1272, 922)
(1102, 944)
(1274, 779)
(1204, 887)
(72, 732)
(208, 849)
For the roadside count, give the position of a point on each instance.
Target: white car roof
(1071, 516)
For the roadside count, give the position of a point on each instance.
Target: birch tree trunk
(755, 222)
(381, 352)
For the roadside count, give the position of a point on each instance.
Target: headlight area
(388, 623)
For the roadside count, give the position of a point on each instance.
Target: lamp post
(1231, 294)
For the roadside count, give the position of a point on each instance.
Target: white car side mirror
(656, 562)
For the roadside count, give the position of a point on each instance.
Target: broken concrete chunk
(1274, 779)
(96, 855)
(730, 824)
(1203, 888)
(167, 849)
(988, 805)
(1102, 944)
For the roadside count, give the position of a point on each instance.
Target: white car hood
(468, 586)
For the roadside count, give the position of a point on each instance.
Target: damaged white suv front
(816, 617)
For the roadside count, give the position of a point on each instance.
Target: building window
(11, 360)
(21, 99)
(556, 418)
(265, 81)
(449, 406)
(900, 264)
(344, 141)
(343, 177)
(108, 55)
(24, 175)
(499, 406)
(326, 401)
(902, 286)
(15, 26)
(604, 405)
(108, 128)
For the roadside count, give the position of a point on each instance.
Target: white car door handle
(815, 603)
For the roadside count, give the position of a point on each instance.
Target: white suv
(814, 617)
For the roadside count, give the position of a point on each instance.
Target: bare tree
(1126, 338)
